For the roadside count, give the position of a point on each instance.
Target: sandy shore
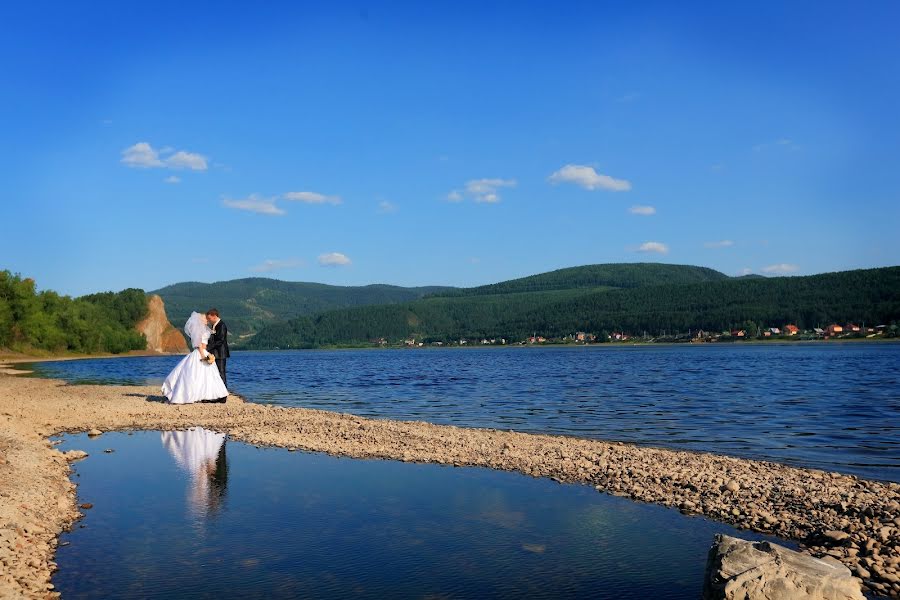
(854, 520)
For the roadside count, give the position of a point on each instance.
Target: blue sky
(444, 142)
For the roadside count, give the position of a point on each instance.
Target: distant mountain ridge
(698, 299)
(249, 304)
(614, 275)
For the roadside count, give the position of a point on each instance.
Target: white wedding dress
(194, 379)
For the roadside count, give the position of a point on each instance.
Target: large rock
(741, 570)
(161, 336)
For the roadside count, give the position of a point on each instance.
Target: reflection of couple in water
(201, 453)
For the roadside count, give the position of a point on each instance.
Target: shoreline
(609, 345)
(854, 520)
(17, 358)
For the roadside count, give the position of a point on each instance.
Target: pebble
(836, 537)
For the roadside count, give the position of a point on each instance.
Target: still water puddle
(189, 514)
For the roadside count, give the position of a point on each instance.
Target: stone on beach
(741, 570)
(73, 455)
(94, 433)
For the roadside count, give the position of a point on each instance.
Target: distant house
(818, 331)
(537, 339)
(791, 330)
(832, 330)
(851, 328)
(774, 331)
(581, 336)
(738, 333)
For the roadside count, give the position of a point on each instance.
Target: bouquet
(209, 359)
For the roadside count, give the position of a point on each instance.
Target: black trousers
(220, 362)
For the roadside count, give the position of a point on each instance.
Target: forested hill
(249, 304)
(871, 295)
(617, 275)
(46, 321)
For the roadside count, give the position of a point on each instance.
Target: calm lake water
(829, 406)
(190, 515)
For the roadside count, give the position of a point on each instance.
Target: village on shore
(749, 332)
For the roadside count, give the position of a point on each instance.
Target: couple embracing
(200, 376)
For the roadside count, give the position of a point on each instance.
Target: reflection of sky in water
(309, 525)
(830, 406)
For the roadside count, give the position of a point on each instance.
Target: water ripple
(830, 406)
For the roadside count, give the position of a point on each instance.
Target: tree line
(32, 320)
(871, 296)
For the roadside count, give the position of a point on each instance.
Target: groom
(218, 343)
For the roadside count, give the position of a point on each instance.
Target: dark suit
(217, 345)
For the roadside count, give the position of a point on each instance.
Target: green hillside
(718, 304)
(46, 321)
(619, 275)
(249, 304)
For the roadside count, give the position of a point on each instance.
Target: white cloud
(172, 179)
(719, 244)
(143, 156)
(269, 265)
(781, 269)
(312, 198)
(589, 179)
(386, 207)
(485, 191)
(640, 209)
(187, 160)
(256, 204)
(334, 259)
(657, 247)
(745, 271)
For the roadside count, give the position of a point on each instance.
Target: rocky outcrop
(161, 335)
(742, 570)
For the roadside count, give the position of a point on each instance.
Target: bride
(195, 378)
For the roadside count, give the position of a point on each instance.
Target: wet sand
(854, 520)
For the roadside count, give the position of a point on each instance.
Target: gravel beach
(854, 520)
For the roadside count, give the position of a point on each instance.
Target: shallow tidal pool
(189, 514)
